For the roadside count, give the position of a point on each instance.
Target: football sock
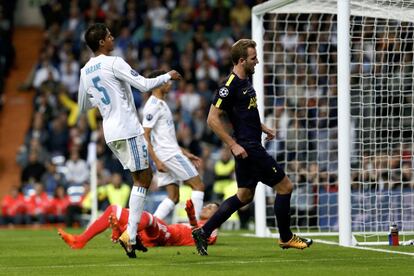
(147, 220)
(136, 206)
(197, 198)
(226, 209)
(97, 227)
(165, 207)
(122, 215)
(282, 213)
(148, 224)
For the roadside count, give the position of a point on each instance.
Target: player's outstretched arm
(123, 71)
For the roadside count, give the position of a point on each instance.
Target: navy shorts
(258, 166)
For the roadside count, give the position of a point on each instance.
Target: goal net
(297, 87)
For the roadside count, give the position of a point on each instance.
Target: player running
(105, 82)
(173, 163)
(152, 231)
(237, 97)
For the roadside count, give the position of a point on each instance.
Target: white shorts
(132, 153)
(179, 168)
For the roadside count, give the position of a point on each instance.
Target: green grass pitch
(42, 252)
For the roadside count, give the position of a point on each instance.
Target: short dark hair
(239, 49)
(156, 73)
(94, 34)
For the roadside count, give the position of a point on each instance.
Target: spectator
(52, 179)
(47, 72)
(77, 169)
(38, 205)
(79, 203)
(190, 100)
(223, 173)
(207, 70)
(116, 192)
(37, 130)
(240, 13)
(158, 14)
(59, 131)
(13, 207)
(34, 170)
(58, 205)
(70, 75)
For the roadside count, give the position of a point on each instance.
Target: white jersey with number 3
(157, 116)
(105, 82)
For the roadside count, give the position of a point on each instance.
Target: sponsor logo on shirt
(149, 117)
(134, 73)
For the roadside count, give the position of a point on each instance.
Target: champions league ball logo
(223, 92)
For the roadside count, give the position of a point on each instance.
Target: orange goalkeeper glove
(189, 208)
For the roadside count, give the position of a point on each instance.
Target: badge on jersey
(223, 92)
(148, 117)
(134, 73)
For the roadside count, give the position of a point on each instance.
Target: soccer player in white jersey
(105, 82)
(173, 163)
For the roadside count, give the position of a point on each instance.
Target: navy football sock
(226, 209)
(282, 213)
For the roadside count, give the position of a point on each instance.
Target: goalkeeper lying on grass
(151, 230)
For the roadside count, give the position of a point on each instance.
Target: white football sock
(197, 197)
(165, 207)
(136, 206)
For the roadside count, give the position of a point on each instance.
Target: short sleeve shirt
(237, 98)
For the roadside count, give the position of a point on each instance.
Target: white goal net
(298, 44)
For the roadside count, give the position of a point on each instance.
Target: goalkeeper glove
(189, 208)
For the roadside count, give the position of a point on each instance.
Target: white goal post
(335, 79)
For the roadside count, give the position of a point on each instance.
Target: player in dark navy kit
(237, 98)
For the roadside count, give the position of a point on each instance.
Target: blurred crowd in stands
(7, 52)
(193, 37)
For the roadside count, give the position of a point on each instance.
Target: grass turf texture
(42, 252)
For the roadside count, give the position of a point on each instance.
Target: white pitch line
(368, 248)
(357, 247)
(133, 264)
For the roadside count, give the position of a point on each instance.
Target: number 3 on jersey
(105, 99)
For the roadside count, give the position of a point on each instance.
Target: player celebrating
(173, 164)
(152, 231)
(237, 98)
(105, 82)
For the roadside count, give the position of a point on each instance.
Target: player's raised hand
(175, 75)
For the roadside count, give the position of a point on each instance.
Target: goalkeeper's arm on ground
(189, 208)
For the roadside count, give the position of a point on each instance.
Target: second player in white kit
(173, 163)
(105, 82)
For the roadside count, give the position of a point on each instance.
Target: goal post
(335, 79)
(344, 124)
